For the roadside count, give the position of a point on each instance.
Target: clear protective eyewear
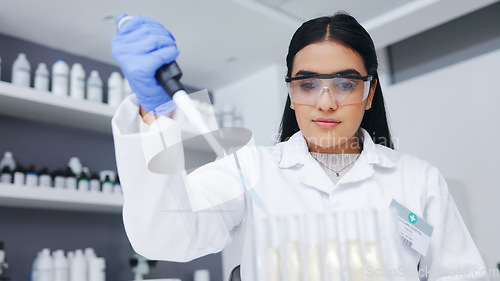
(343, 89)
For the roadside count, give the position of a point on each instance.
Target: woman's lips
(326, 122)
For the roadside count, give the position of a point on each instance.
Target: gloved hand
(140, 47)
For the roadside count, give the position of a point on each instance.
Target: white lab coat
(161, 224)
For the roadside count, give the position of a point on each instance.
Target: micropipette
(168, 77)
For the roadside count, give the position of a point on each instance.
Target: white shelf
(45, 198)
(32, 104)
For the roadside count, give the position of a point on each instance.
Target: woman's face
(326, 126)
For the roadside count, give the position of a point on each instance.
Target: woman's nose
(326, 100)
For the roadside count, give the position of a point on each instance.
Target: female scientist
(335, 154)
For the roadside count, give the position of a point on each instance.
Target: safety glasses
(343, 89)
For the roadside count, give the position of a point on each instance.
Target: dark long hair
(345, 29)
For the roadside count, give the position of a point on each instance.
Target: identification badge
(415, 232)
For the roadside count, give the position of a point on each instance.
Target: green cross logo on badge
(412, 218)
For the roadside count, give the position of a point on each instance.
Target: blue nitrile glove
(140, 47)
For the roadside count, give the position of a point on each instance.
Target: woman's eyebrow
(305, 72)
(350, 71)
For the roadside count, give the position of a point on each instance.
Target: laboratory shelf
(49, 198)
(33, 104)
(43, 106)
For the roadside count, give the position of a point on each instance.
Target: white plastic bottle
(32, 177)
(78, 268)
(34, 267)
(89, 255)
(21, 71)
(61, 268)
(44, 178)
(126, 88)
(94, 87)
(42, 77)
(107, 185)
(59, 180)
(70, 255)
(70, 180)
(19, 175)
(45, 266)
(7, 167)
(83, 183)
(60, 78)
(97, 269)
(7, 163)
(95, 183)
(115, 89)
(117, 187)
(77, 82)
(202, 275)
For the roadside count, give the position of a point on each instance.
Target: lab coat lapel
(296, 153)
(314, 176)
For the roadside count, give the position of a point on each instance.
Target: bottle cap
(58, 253)
(89, 252)
(115, 74)
(202, 275)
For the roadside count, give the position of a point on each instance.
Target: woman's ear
(371, 94)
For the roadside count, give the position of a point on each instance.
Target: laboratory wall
(26, 231)
(449, 117)
(468, 36)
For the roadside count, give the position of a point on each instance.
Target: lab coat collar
(295, 152)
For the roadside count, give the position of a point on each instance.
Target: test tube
(313, 249)
(353, 244)
(332, 257)
(372, 249)
(293, 256)
(274, 264)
